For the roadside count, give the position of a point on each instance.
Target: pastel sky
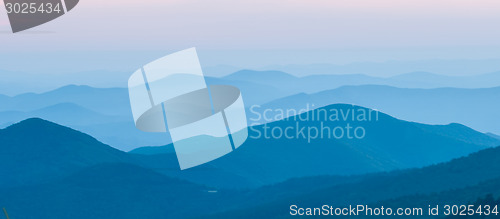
(442, 26)
(221, 24)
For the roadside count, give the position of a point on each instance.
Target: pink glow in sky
(277, 24)
(317, 5)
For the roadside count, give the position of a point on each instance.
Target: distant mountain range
(389, 144)
(105, 112)
(108, 101)
(316, 83)
(275, 84)
(417, 96)
(102, 112)
(14, 82)
(75, 165)
(62, 113)
(475, 108)
(391, 68)
(65, 173)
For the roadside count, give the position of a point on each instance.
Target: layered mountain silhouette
(390, 68)
(320, 82)
(114, 101)
(15, 82)
(254, 93)
(460, 181)
(61, 113)
(389, 144)
(108, 101)
(108, 117)
(38, 151)
(475, 108)
(65, 173)
(102, 112)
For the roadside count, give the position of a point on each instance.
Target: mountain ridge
(392, 189)
(111, 176)
(380, 150)
(430, 106)
(49, 151)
